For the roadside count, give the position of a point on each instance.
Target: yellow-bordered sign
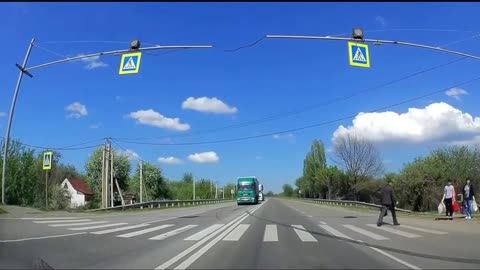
(359, 55)
(47, 160)
(130, 63)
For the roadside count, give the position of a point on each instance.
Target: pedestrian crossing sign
(130, 63)
(358, 54)
(47, 160)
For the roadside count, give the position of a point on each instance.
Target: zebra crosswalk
(272, 233)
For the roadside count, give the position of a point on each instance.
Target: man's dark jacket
(387, 195)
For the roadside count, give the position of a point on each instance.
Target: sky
(177, 95)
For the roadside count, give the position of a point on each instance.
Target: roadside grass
(2, 211)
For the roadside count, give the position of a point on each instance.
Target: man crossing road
(388, 202)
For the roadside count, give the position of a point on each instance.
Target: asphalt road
(276, 234)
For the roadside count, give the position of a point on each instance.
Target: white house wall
(77, 199)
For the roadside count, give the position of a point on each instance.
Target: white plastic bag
(441, 208)
(474, 206)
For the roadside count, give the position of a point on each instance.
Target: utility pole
(134, 46)
(194, 188)
(111, 175)
(107, 166)
(141, 181)
(216, 190)
(211, 188)
(223, 193)
(103, 175)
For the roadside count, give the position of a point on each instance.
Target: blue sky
(272, 77)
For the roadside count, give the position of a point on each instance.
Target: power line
(65, 148)
(304, 109)
(306, 127)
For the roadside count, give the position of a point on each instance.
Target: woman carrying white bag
(441, 208)
(469, 203)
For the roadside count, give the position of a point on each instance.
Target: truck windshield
(246, 187)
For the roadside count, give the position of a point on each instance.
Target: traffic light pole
(24, 70)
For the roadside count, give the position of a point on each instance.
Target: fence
(349, 203)
(164, 204)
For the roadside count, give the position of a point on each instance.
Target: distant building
(79, 192)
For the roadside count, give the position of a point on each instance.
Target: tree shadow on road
(400, 251)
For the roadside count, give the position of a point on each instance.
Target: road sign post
(358, 54)
(47, 165)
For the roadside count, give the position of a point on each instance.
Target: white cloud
(456, 93)
(170, 160)
(97, 125)
(155, 119)
(93, 62)
(76, 110)
(381, 20)
(205, 157)
(2, 114)
(205, 104)
(290, 137)
(132, 155)
(437, 122)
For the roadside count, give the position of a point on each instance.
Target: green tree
(93, 171)
(287, 190)
(330, 178)
(155, 185)
(313, 165)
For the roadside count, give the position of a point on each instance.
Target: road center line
(41, 237)
(411, 266)
(186, 263)
(200, 243)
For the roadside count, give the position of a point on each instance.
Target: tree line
(26, 179)
(358, 174)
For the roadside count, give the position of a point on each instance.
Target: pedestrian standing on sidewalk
(388, 203)
(468, 199)
(449, 198)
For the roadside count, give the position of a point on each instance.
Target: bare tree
(359, 158)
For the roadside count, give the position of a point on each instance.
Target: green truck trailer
(247, 190)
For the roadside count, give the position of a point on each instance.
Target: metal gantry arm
(377, 42)
(26, 70)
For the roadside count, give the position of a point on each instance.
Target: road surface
(276, 234)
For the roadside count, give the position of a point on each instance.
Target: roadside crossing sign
(47, 160)
(130, 63)
(359, 55)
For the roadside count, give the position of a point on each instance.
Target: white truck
(261, 197)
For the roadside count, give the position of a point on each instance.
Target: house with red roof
(79, 192)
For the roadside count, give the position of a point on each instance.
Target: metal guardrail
(349, 203)
(164, 204)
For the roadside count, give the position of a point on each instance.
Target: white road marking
(221, 233)
(323, 222)
(237, 233)
(137, 233)
(41, 237)
(187, 262)
(422, 229)
(49, 218)
(270, 234)
(96, 227)
(172, 233)
(120, 229)
(199, 243)
(309, 216)
(334, 232)
(61, 221)
(76, 224)
(203, 233)
(411, 266)
(394, 231)
(365, 232)
(302, 234)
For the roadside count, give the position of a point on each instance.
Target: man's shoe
(396, 224)
(379, 224)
